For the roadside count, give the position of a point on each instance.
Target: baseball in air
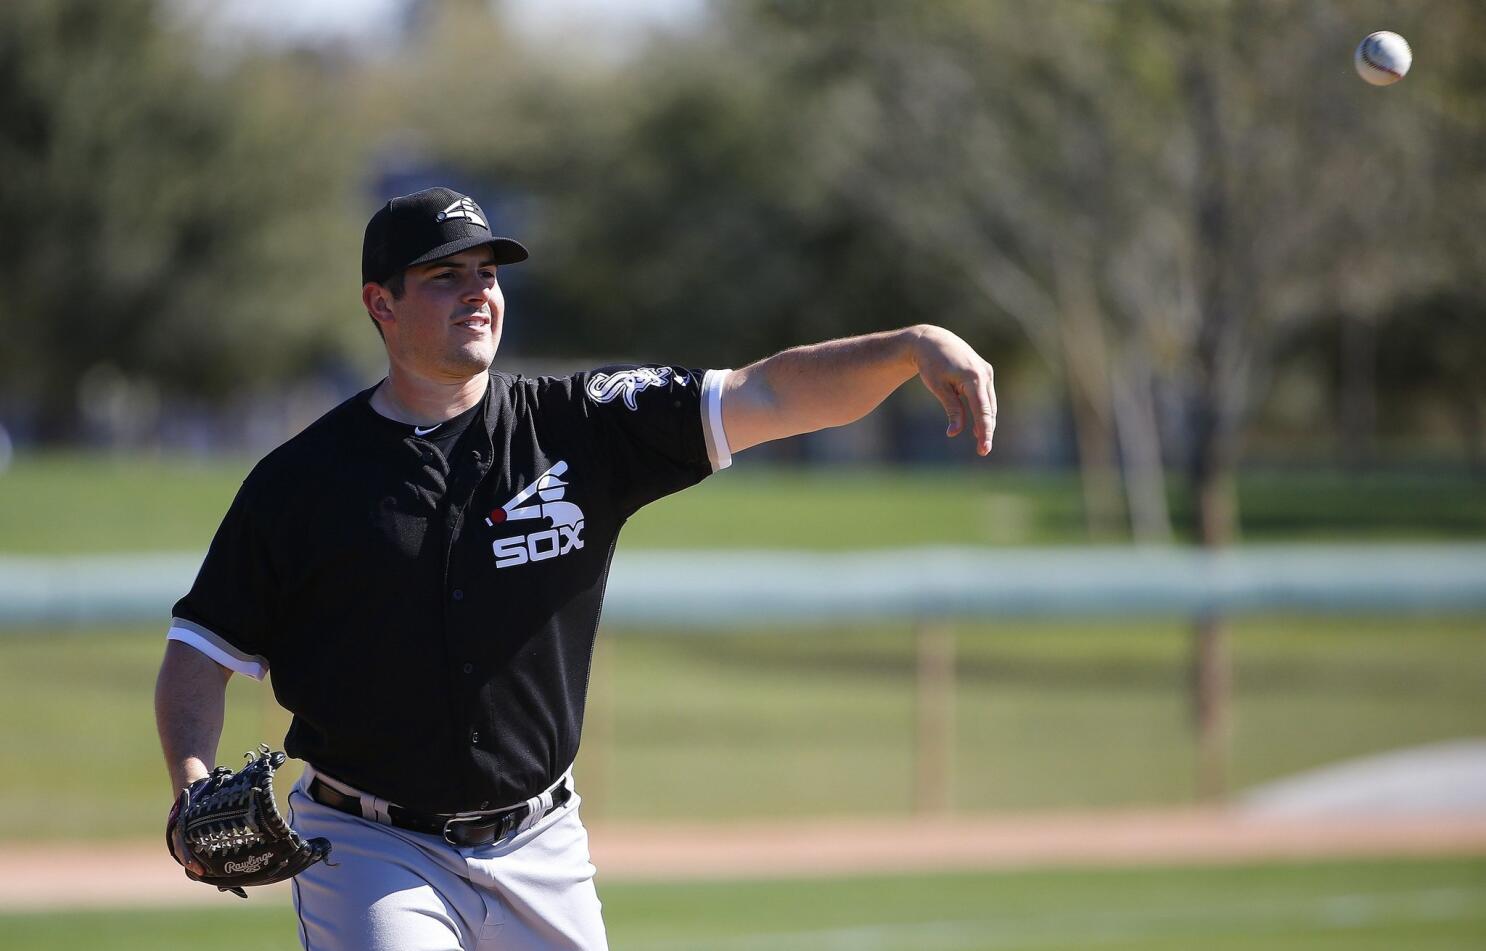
(1383, 58)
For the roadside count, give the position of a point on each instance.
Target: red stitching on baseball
(1373, 41)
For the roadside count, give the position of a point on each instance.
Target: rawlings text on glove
(232, 828)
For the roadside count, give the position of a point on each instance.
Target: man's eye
(488, 275)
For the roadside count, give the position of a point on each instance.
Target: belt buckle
(500, 826)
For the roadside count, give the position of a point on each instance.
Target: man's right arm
(190, 702)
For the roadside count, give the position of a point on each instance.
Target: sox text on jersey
(564, 535)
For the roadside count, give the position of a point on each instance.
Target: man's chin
(472, 360)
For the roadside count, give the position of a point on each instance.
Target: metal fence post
(1212, 687)
(934, 709)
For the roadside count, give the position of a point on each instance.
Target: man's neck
(425, 402)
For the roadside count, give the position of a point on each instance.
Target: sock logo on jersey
(565, 519)
(607, 387)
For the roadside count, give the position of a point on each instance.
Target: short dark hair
(397, 284)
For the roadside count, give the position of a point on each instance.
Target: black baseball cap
(426, 226)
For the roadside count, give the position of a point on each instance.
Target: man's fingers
(981, 414)
(988, 413)
(969, 398)
(178, 849)
(953, 409)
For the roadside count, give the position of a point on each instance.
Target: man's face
(447, 325)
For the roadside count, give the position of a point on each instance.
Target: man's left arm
(837, 382)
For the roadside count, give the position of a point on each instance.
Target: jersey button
(468, 668)
(457, 594)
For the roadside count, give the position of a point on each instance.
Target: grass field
(68, 503)
(1367, 906)
(1048, 716)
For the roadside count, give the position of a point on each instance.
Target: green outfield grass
(1357, 906)
(814, 722)
(70, 503)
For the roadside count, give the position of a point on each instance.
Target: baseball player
(423, 569)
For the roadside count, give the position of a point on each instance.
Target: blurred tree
(1151, 198)
(1401, 348)
(1425, 356)
(986, 138)
(1313, 194)
(679, 197)
(1156, 194)
(183, 223)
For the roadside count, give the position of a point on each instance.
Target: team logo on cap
(463, 208)
(566, 520)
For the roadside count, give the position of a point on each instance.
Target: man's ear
(378, 302)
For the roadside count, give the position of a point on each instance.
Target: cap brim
(506, 250)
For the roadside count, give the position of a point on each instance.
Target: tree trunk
(1086, 368)
(1140, 452)
(1222, 267)
(1212, 687)
(1468, 417)
(1359, 405)
(1098, 476)
(1223, 282)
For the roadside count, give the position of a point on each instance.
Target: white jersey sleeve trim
(188, 632)
(718, 452)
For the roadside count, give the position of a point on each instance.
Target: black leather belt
(464, 830)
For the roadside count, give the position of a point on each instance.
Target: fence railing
(728, 589)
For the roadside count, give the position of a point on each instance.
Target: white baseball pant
(391, 889)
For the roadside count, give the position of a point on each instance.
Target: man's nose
(477, 290)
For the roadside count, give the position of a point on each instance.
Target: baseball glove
(232, 828)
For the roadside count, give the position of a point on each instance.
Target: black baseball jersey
(429, 611)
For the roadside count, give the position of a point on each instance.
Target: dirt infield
(47, 876)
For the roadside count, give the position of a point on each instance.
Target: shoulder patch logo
(564, 517)
(608, 387)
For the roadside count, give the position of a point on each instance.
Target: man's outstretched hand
(963, 382)
(807, 388)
